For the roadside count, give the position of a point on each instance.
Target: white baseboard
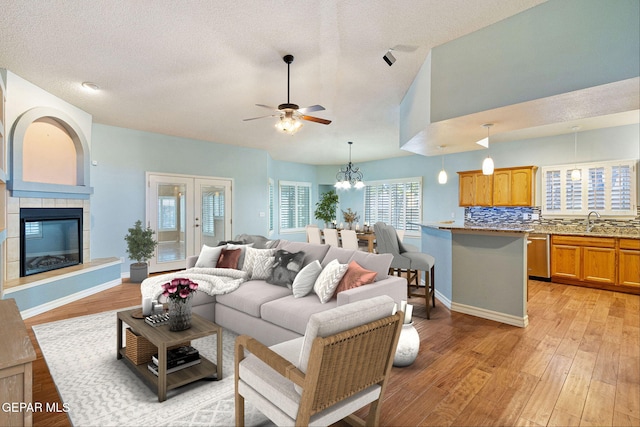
(521, 322)
(34, 311)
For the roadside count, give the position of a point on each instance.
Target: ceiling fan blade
(310, 109)
(267, 106)
(316, 119)
(261, 117)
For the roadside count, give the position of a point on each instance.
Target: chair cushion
(306, 278)
(355, 276)
(420, 260)
(328, 280)
(340, 319)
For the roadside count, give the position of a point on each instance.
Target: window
(395, 202)
(607, 187)
(271, 205)
(167, 213)
(295, 206)
(212, 208)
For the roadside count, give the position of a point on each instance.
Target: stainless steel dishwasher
(538, 256)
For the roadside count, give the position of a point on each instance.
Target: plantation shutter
(553, 188)
(396, 203)
(295, 206)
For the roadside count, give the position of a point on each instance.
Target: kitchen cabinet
(629, 262)
(475, 189)
(602, 262)
(506, 187)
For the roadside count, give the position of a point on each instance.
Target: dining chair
(408, 262)
(350, 240)
(314, 235)
(331, 237)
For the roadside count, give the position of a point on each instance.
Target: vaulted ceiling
(196, 69)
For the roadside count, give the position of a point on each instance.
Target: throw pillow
(328, 280)
(262, 268)
(252, 255)
(285, 268)
(229, 258)
(306, 278)
(243, 249)
(355, 276)
(208, 257)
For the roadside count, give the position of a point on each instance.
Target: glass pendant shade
(487, 166)
(288, 124)
(576, 175)
(442, 177)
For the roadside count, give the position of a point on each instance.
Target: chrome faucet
(589, 223)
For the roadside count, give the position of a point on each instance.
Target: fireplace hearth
(50, 238)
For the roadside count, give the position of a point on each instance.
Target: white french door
(186, 212)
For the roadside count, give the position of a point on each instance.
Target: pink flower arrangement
(179, 289)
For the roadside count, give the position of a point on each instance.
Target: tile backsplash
(523, 216)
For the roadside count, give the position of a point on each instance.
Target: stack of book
(177, 358)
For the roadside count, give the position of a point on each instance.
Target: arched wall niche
(31, 176)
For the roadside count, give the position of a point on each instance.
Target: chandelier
(349, 176)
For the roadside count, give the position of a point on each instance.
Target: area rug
(100, 390)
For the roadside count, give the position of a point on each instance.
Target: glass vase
(180, 313)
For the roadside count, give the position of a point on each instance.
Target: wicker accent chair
(409, 262)
(342, 364)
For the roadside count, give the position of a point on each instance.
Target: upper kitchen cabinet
(475, 189)
(506, 187)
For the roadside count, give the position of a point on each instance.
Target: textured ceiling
(195, 69)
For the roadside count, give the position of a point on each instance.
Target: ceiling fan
(291, 114)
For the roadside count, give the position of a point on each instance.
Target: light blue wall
(123, 157)
(557, 47)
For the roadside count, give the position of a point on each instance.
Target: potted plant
(326, 207)
(140, 247)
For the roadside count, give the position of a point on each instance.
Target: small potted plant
(326, 207)
(140, 247)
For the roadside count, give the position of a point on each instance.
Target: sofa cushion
(285, 267)
(312, 251)
(328, 280)
(250, 296)
(379, 263)
(355, 276)
(293, 313)
(228, 258)
(342, 255)
(243, 249)
(208, 257)
(306, 278)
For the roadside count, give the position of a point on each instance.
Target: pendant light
(442, 176)
(487, 164)
(575, 173)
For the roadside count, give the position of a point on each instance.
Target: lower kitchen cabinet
(629, 262)
(602, 262)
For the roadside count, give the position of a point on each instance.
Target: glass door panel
(213, 220)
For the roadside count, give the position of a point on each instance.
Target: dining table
(369, 237)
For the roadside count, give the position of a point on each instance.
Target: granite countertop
(573, 230)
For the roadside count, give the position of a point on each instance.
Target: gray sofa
(271, 313)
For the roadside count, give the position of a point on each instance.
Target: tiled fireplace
(63, 208)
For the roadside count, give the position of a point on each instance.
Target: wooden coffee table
(163, 338)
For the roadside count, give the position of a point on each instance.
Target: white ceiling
(195, 69)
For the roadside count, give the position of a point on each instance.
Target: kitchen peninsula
(481, 271)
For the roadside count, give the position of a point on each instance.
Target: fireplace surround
(50, 238)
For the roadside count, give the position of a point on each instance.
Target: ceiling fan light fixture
(288, 124)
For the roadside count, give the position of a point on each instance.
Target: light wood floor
(577, 363)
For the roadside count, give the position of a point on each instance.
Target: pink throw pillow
(355, 276)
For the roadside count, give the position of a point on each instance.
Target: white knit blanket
(212, 281)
